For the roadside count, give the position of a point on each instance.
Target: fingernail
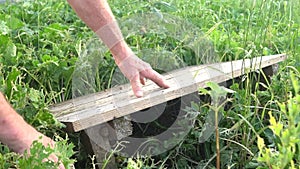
(139, 93)
(166, 85)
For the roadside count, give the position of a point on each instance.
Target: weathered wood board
(90, 110)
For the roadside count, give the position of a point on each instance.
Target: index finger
(155, 77)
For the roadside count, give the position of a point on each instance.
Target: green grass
(38, 37)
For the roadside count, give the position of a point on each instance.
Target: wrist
(19, 135)
(110, 34)
(24, 139)
(120, 52)
(112, 37)
(14, 131)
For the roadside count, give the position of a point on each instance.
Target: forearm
(98, 16)
(14, 131)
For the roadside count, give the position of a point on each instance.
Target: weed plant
(40, 42)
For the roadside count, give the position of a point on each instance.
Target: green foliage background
(39, 46)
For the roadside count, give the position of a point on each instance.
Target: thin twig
(217, 139)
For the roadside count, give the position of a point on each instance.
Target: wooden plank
(90, 110)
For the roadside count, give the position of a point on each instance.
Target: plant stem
(217, 140)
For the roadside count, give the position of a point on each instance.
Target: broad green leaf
(8, 50)
(276, 127)
(203, 91)
(34, 95)
(11, 79)
(12, 22)
(4, 29)
(260, 143)
(295, 82)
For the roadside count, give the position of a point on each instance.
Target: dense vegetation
(259, 128)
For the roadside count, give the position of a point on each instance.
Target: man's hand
(137, 71)
(46, 141)
(18, 134)
(23, 141)
(99, 17)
